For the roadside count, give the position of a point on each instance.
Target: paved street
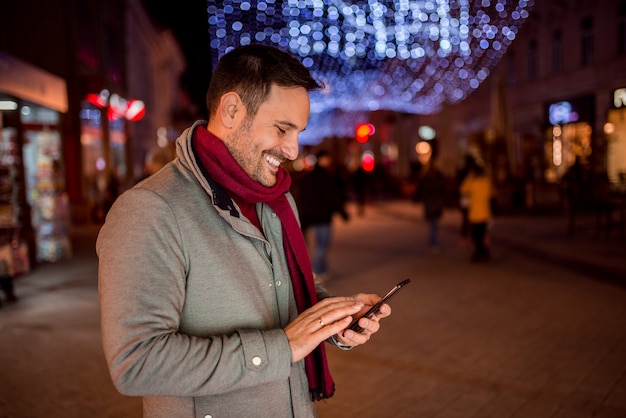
(537, 332)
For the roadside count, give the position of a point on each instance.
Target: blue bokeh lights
(400, 55)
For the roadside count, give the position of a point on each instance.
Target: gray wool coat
(194, 299)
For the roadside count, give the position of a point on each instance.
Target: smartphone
(354, 326)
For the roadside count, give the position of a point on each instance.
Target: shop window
(94, 161)
(621, 29)
(44, 176)
(9, 193)
(38, 115)
(117, 142)
(88, 36)
(557, 51)
(615, 131)
(566, 144)
(532, 60)
(113, 51)
(511, 68)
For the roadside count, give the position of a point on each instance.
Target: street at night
(536, 332)
(477, 148)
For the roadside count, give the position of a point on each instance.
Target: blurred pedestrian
(112, 190)
(431, 191)
(208, 303)
(318, 197)
(155, 160)
(464, 200)
(360, 180)
(576, 184)
(6, 282)
(477, 187)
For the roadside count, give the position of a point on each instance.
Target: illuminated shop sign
(118, 107)
(562, 113)
(580, 109)
(619, 98)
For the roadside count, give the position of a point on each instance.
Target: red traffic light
(364, 131)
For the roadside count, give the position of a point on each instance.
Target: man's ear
(231, 109)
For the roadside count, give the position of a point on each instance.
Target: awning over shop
(28, 82)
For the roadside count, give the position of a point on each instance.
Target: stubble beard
(249, 156)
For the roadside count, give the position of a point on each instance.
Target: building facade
(154, 66)
(556, 97)
(89, 83)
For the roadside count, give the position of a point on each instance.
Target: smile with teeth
(273, 161)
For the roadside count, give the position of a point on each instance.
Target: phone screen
(354, 326)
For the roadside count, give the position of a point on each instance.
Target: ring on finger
(321, 321)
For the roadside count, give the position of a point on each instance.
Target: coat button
(256, 360)
(208, 416)
(278, 283)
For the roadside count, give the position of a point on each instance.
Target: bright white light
(426, 132)
(8, 105)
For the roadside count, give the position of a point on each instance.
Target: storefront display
(46, 195)
(34, 209)
(9, 208)
(117, 142)
(569, 137)
(615, 131)
(94, 160)
(45, 183)
(13, 247)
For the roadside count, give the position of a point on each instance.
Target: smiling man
(271, 134)
(208, 303)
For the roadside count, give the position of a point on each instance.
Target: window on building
(587, 41)
(113, 50)
(557, 51)
(87, 34)
(511, 68)
(621, 30)
(532, 60)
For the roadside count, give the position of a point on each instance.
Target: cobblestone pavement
(531, 334)
(537, 332)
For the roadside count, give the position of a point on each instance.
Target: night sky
(189, 21)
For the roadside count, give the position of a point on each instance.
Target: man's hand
(370, 325)
(321, 321)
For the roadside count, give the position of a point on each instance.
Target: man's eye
(281, 131)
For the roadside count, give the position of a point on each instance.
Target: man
(208, 304)
(318, 198)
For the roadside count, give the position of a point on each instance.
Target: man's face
(261, 143)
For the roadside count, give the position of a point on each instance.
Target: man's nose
(290, 147)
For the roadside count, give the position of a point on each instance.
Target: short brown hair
(250, 72)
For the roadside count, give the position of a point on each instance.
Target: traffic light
(364, 131)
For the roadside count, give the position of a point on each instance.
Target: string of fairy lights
(400, 55)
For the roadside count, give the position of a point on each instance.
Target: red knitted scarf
(216, 159)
